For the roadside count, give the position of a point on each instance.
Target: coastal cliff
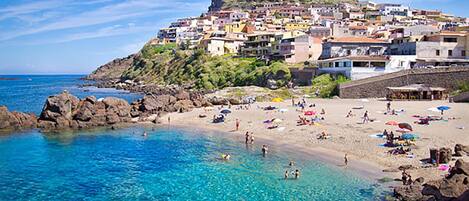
(112, 70)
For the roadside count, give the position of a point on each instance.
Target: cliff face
(113, 70)
(216, 5)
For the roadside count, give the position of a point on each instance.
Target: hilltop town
(275, 43)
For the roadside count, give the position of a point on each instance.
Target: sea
(170, 163)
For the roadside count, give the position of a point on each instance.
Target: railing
(403, 73)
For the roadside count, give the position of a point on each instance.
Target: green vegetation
(165, 64)
(463, 86)
(326, 85)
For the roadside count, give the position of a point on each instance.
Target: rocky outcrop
(112, 70)
(454, 187)
(15, 120)
(65, 111)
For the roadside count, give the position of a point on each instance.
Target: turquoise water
(27, 93)
(168, 164)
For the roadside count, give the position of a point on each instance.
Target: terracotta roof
(357, 40)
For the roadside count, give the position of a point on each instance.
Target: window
(437, 52)
(463, 53)
(450, 52)
(450, 40)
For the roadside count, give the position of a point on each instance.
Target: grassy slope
(167, 65)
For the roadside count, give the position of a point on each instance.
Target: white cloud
(105, 14)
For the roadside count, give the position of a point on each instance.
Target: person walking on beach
(346, 160)
(237, 124)
(169, 119)
(365, 117)
(388, 106)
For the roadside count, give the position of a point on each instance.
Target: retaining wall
(375, 87)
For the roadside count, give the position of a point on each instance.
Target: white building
(360, 67)
(395, 10)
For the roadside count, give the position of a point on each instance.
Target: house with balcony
(294, 48)
(353, 46)
(440, 49)
(262, 45)
(360, 67)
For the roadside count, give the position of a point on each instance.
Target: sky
(77, 36)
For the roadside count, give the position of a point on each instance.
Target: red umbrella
(309, 113)
(392, 123)
(405, 125)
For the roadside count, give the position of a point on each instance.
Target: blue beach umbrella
(225, 111)
(409, 136)
(444, 107)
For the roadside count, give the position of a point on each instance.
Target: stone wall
(375, 87)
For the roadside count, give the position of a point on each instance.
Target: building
(360, 67)
(413, 30)
(261, 45)
(345, 30)
(416, 92)
(294, 48)
(167, 35)
(291, 26)
(395, 10)
(319, 31)
(441, 49)
(353, 46)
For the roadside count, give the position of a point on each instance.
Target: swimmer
(291, 164)
(297, 174)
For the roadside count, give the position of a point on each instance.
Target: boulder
(183, 106)
(16, 120)
(411, 192)
(183, 95)
(61, 105)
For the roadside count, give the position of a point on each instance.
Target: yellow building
(290, 26)
(234, 27)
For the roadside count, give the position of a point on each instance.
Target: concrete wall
(374, 87)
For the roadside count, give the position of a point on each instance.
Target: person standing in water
(247, 137)
(297, 174)
(286, 175)
(264, 150)
(345, 160)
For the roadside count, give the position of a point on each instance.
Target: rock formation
(112, 70)
(65, 111)
(454, 187)
(16, 120)
(461, 150)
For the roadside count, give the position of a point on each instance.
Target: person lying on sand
(323, 136)
(349, 114)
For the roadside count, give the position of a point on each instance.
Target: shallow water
(168, 164)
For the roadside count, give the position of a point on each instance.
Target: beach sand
(349, 135)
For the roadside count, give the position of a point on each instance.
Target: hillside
(217, 5)
(165, 64)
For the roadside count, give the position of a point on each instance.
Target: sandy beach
(348, 134)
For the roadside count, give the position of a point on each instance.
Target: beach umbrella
(277, 100)
(310, 113)
(444, 107)
(405, 126)
(225, 111)
(277, 120)
(409, 136)
(392, 123)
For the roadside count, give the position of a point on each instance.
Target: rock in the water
(16, 120)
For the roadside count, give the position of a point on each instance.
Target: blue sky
(76, 36)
